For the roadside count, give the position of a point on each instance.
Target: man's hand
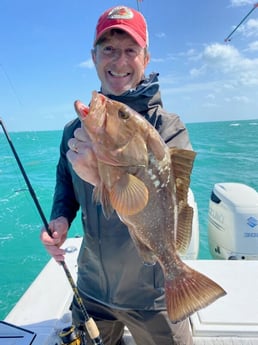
(82, 157)
(59, 228)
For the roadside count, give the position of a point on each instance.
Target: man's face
(120, 63)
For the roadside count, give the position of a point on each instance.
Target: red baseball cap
(124, 18)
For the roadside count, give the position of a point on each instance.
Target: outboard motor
(233, 222)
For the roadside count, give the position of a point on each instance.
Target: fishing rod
(138, 6)
(228, 37)
(90, 324)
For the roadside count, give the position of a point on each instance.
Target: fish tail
(188, 292)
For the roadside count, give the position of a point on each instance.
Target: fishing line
(89, 322)
(11, 84)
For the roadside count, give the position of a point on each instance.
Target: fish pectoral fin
(129, 195)
(101, 195)
(184, 228)
(188, 292)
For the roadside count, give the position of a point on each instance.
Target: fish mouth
(97, 112)
(81, 109)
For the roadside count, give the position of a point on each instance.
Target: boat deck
(233, 319)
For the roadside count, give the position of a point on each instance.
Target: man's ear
(146, 59)
(93, 55)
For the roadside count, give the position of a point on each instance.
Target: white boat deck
(233, 319)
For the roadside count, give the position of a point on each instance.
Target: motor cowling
(233, 222)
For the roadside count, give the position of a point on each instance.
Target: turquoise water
(226, 152)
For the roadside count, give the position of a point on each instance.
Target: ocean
(226, 152)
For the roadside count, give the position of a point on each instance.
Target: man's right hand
(82, 157)
(59, 228)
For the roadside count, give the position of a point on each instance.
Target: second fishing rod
(90, 324)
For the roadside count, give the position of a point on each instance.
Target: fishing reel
(72, 336)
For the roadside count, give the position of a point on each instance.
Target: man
(116, 287)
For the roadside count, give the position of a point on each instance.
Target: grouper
(146, 183)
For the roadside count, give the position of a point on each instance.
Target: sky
(45, 58)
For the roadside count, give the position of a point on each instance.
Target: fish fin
(101, 195)
(129, 195)
(188, 292)
(184, 229)
(181, 166)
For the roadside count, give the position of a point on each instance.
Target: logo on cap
(120, 12)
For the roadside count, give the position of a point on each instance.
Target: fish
(146, 183)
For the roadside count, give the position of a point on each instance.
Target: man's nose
(120, 54)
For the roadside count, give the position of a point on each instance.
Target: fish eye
(124, 115)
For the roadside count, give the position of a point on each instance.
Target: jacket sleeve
(175, 133)
(64, 202)
(172, 130)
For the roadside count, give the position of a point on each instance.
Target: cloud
(197, 72)
(221, 56)
(241, 99)
(237, 3)
(223, 76)
(253, 46)
(190, 88)
(238, 99)
(251, 28)
(226, 62)
(168, 57)
(87, 64)
(160, 34)
(210, 96)
(157, 60)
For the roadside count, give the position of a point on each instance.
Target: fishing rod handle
(93, 331)
(90, 324)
